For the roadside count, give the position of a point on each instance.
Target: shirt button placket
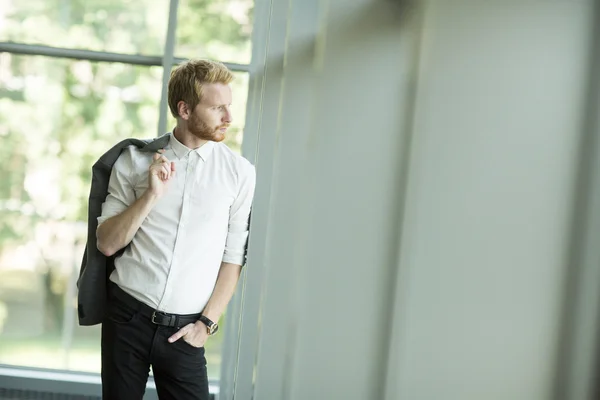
(174, 258)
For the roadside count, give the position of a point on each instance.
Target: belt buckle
(154, 314)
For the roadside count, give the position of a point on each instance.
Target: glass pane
(133, 27)
(217, 29)
(235, 134)
(56, 118)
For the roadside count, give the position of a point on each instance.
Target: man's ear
(183, 110)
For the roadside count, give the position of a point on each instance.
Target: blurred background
(426, 223)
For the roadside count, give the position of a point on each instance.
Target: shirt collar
(205, 150)
(182, 150)
(178, 148)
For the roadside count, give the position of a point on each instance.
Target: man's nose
(227, 117)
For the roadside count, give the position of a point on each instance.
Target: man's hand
(160, 172)
(195, 334)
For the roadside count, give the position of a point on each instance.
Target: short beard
(201, 130)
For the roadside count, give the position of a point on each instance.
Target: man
(181, 216)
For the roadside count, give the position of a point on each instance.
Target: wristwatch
(211, 327)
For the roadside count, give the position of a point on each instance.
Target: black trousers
(131, 343)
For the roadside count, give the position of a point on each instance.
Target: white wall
(412, 224)
(498, 125)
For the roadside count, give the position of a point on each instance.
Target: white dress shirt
(174, 258)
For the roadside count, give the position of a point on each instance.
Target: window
(58, 113)
(135, 27)
(216, 29)
(57, 117)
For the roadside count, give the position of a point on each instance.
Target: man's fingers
(165, 172)
(181, 333)
(158, 157)
(162, 167)
(161, 164)
(178, 335)
(161, 160)
(158, 154)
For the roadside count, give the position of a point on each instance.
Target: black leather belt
(155, 316)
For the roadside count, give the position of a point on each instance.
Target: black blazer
(96, 267)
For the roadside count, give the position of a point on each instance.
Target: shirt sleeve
(239, 214)
(120, 190)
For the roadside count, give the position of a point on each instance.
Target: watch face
(211, 327)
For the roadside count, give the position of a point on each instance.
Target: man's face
(212, 116)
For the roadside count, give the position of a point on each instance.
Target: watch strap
(212, 326)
